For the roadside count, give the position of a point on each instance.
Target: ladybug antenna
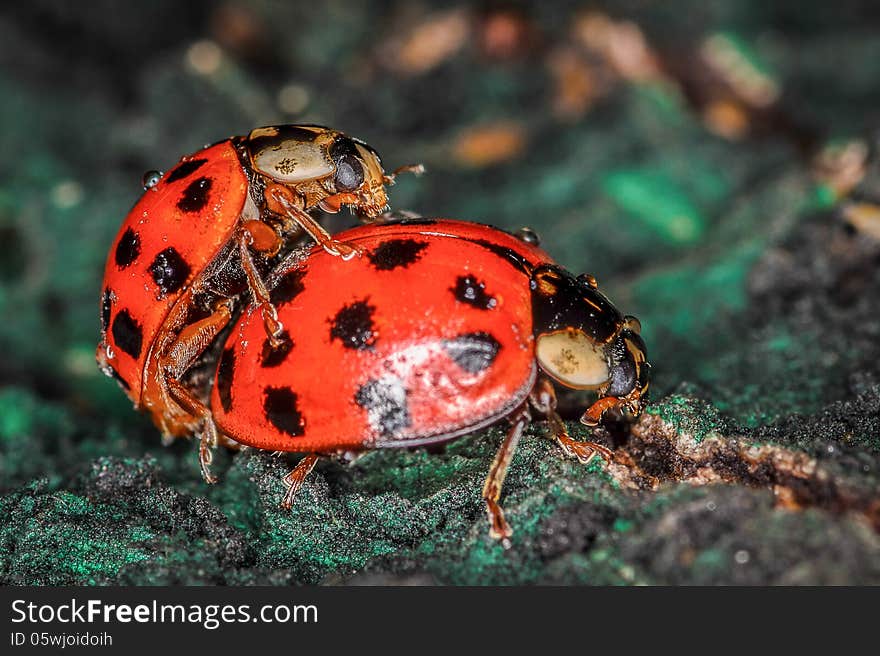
(415, 169)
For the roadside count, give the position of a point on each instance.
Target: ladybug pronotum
(207, 232)
(441, 328)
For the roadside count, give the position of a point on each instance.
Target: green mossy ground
(760, 306)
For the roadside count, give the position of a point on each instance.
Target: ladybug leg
(593, 415)
(280, 201)
(260, 293)
(295, 478)
(499, 529)
(632, 404)
(190, 344)
(543, 399)
(209, 438)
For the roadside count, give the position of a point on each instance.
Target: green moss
(658, 203)
(688, 415)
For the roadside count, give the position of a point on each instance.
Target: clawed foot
(340, 249)
(294, 480)
(499, 529)
(206, 455)
(584, 451)
(274, 328)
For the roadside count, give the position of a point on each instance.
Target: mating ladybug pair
(395, 334)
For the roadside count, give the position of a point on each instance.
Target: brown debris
(575, 81)
(726, 118)
(748, 83)
(428, 43)
(657, 454)
(864, 217)
(489, 144)
(620, 43)
(506, 33)
(239, 29)
(841, 166)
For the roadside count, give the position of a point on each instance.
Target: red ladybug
(439, 329)
(204, 233)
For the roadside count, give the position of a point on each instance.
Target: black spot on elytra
(127, 334)
(195, 196)
(225, 370)
(169, 270)
(384, 399)
(106, 306)
(353, 326)
(396, 253)
(128, 248)
(473, 352)
(473, 292)
(185, 170)
(506, 253)
(274, 356)
(118, 378)
(280, 405)
(289, 287)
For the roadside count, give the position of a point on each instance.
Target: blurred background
(711, 163)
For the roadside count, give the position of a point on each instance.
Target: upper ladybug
(206, 232)
(443, 327)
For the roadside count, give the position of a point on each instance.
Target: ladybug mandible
(203, 234)
(442, 328)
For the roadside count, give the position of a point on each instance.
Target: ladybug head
(358, 171)
(320, 163)
(581, 339)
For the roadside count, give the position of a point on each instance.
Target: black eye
(349, 173)
(624, 375)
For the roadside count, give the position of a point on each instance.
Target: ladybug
(203, 234)
(442, 328)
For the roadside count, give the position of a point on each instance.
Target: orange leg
(209, 439)
(295, 478)
(280, 200)
(249, 237)
(499, 529)
(193, 340)
(190, 344)
(594, 413)
(543, 399)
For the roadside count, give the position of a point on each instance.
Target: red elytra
(204, 234)
(428, 335)
(166, 241)
(361, 332)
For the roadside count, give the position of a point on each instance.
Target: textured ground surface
(710, 164)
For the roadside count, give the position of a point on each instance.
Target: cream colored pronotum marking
(291, 161)
(572, 358)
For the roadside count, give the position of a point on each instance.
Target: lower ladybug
(205, 233)
(441, 328)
